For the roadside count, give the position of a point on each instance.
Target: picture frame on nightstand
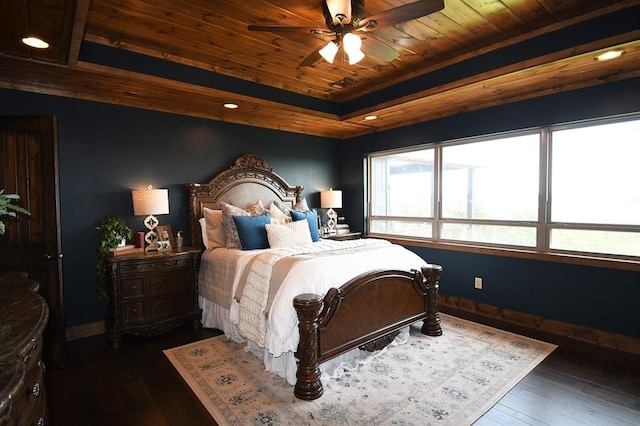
(165, 237)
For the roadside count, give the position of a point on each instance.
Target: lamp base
(333, 220)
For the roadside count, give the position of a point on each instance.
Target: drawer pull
(134, 287)
(158, 284)
(35, 390)
(134, 310)
(40, 422)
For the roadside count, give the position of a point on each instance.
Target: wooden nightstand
(152, 293)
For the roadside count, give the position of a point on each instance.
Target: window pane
(496, 179)
(490, 234)
(607, 242)
(401, 227)
(402, 184)
(595, 174)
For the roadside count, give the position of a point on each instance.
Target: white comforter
(313, 274)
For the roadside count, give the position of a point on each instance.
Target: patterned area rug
(448, 380)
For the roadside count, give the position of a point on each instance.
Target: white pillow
(214, 228)
(288, 234)
(277, 215)
(203, 232)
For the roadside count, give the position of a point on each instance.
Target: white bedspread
(312, 274)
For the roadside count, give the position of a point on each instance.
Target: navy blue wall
(106, 150)
(600, 298)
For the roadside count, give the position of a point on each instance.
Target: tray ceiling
(440, 68)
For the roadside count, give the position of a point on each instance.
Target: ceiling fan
(343, 20)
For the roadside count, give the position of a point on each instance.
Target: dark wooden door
(31, 244)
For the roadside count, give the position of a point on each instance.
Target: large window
(568, 189)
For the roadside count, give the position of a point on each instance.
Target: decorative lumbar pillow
(230, 231)
(288, 234)
(214, 228)
(277, 215)
(252, 232)
(312, 219)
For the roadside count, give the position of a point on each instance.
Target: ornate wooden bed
(367, 312)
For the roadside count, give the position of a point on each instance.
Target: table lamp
(150, 202)
(329, 200)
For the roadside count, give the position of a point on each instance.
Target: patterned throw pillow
(230, 230)
(288, 234)
(277, 215)
(300, 206)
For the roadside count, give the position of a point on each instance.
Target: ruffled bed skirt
(285, 365)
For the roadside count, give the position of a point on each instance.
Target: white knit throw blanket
(253, 303)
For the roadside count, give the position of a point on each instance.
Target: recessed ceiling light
(371, 117)
(231, 106)
(35, 42)
(609, 54)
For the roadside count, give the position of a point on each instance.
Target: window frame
(543, 226)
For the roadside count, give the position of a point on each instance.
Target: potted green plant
(8, 208)
(114, 232)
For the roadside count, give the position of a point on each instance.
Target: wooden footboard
(366, 312)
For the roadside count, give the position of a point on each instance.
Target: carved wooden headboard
(248, 179)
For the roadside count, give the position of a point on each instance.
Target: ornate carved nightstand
(152, 293)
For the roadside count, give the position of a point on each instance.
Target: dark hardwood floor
(137, 385)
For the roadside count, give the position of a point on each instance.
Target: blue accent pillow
(252, 231)
(312, 218)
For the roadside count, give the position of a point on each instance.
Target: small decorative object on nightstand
(152, 293)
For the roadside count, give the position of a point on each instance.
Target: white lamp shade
(150, 201)
(329, 52)
(352, 45)
(331, 199)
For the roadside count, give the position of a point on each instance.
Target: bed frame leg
(308, 386)
(431, 325)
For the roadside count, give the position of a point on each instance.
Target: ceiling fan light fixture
(352, 45)
(35, 42)
(329, 52)
(355, 57)
(340, 11)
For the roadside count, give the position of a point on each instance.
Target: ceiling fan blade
(401, 14)
(283, 28)
(312, 58)
(377, 49)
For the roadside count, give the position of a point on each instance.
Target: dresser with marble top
(23, 317)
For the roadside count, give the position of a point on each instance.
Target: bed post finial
(431, 325)
(308, 386)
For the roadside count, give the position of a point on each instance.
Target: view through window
(566, 189)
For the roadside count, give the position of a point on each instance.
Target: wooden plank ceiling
(212, 35)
